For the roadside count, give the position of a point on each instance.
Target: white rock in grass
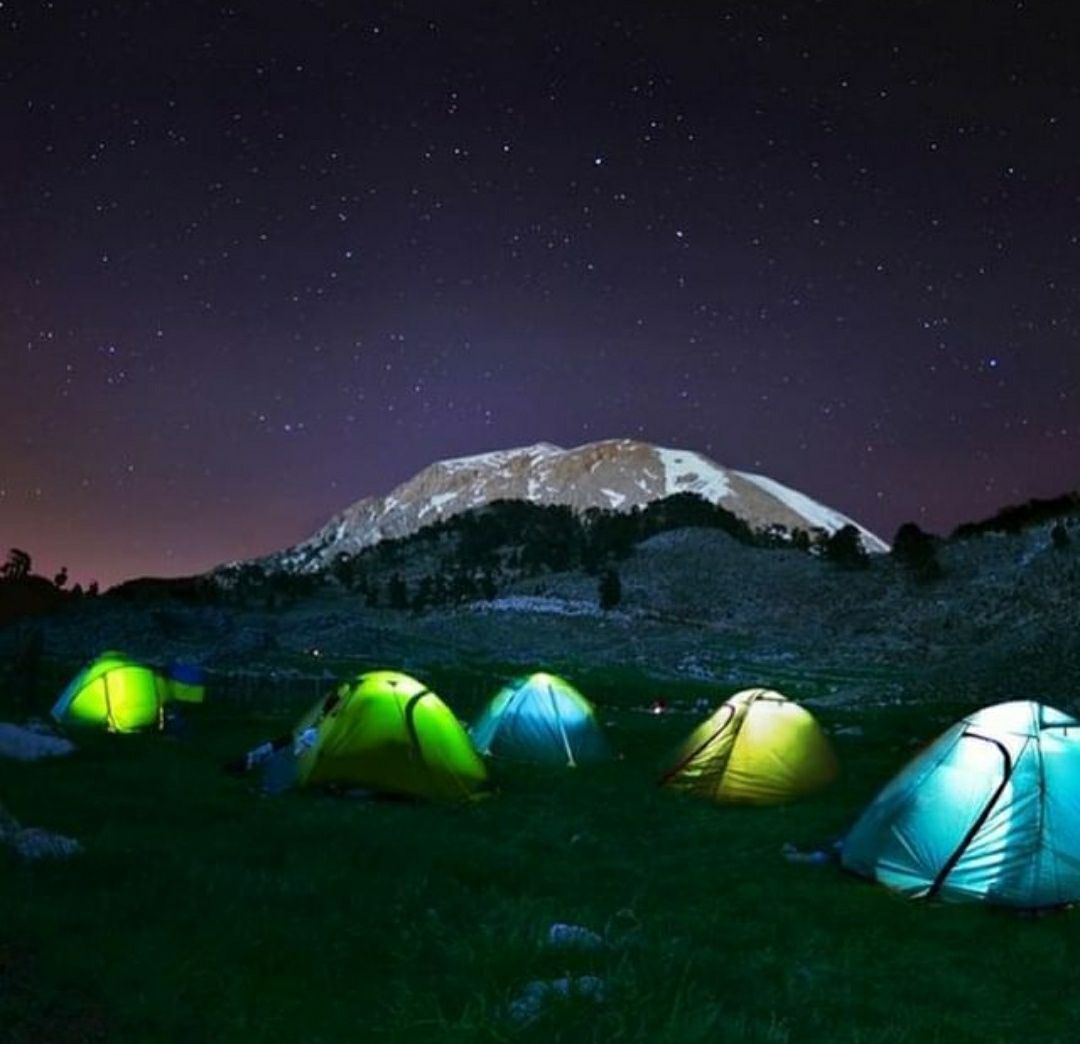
(573, 937)
(848, 730)
(29, 744)
(9, 825)
(529, 1005)
(33, 844)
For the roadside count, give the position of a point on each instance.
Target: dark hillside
(1017, 517)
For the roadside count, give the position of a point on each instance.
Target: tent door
(729, 713)
(983, 765)
(562, 730)
(110, 719)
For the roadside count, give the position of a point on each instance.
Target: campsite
(244, 873)
(540, 523)
(205, 909)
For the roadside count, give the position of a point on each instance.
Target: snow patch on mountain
(437, 501)
(497, 458)
(816, 514)
(686, 472)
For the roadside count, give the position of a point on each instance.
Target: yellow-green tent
(759, 748)
(116, 692)
(387, 732)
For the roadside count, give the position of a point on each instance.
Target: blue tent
(989, 812)
(540, 718)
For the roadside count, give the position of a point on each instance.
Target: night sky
(260, 260)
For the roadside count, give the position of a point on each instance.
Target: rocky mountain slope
(615, 475)
(999, 623)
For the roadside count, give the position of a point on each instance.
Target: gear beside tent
(186, 681)
(385, 732)
(759, 748)
(540, 718)
(986, 813)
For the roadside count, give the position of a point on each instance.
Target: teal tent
(989, 812)
(540, 718)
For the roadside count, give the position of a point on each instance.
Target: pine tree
(917, 552)
(609, 589)
(845, 548)
(422, 597)
(397, 592)
(800, 539)
(17, 566)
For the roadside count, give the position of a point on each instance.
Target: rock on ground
(30, 745)
(32, 843)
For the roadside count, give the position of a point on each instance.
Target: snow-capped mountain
(617, 474)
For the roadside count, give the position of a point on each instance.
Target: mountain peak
(616, 474)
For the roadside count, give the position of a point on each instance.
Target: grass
(204, 912)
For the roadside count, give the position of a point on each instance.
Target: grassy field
(202, 911)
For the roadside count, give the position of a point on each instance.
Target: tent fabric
(386, 732)
(758, 748)
(987, 813)
(186, 682)
(540, 718)
(116, 692)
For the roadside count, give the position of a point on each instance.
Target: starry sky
(259, 260)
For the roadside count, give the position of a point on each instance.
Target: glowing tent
(384, 732)
(988, 812)
(115, 692)
(759, 748)
(540, 718)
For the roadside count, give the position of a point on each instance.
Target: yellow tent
(759, 748)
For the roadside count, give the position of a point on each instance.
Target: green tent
(988, 812)
(385, 732)
(115, 692)
(759, 748)
(540, 718)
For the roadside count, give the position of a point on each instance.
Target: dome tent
(386, 732)
(116, 692)
(986, 813)
(759, 748)
(540, 718)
